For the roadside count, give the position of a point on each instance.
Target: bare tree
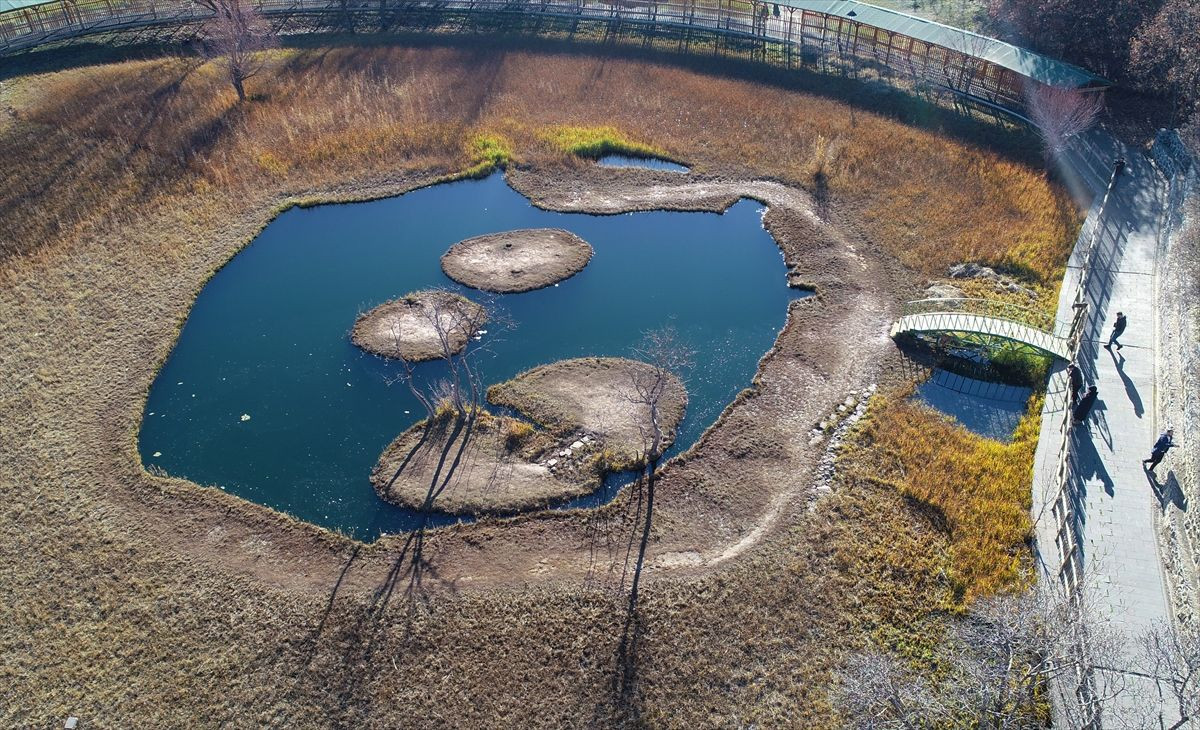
(1061, 113)
(667, 355)
(875, 691)
(1172, 658)
(455, 400)
(237, 33)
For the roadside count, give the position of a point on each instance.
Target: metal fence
(796, 32)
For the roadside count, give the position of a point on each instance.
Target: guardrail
(991, 308)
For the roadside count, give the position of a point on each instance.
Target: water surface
(268, 336)
(649, 163)
(991, 410)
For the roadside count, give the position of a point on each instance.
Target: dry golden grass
(100, 142)
(978, 490)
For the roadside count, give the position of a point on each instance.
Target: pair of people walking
(1081, 406)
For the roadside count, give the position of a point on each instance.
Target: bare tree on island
(456, 399)
(236, 33)
(667, 356)
(1061, 113)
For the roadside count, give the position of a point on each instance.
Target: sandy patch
(517, 261)
(412, 327)
(595, 395)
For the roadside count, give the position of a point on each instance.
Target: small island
(597, 395)
(411, 327)
(591, 425)
(517, 261)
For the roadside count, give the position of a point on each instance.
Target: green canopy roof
(1025, 62)
(16, 4)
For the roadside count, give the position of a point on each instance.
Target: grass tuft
(595, 142)
(489, 152)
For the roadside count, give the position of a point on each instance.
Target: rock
(551, 463)
(577, 445)
(971, 271)
(943, 291)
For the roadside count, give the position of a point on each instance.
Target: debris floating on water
(245, 416)
(157, 454)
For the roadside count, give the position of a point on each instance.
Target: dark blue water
(268, 336)
(649, 163)
(991, 410)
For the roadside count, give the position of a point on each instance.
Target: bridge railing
(992, 308)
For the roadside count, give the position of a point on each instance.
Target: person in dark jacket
(1118, 330)
(1165, 441)
(1084, 407)
(1074, 382)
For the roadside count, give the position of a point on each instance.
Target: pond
(648, 163)
(264, 395)
(991, 410)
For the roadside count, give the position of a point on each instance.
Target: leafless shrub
(236, 34)
(1061, 113)
(996, 666)
(1172, 657)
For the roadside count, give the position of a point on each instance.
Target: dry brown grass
(116, 615)
(101, 142)
(978, 490)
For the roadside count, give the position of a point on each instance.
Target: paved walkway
(1114, 501)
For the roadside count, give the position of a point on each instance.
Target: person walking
(1074, 382)
(1084, 407)
(1117, 331)
(1165, 441)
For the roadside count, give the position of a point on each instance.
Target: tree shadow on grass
(485, 36)
(359, 642)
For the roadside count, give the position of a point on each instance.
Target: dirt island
(517, 261)
(592, 424)
(411, 327)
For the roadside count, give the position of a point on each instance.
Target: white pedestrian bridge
(984, 322)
